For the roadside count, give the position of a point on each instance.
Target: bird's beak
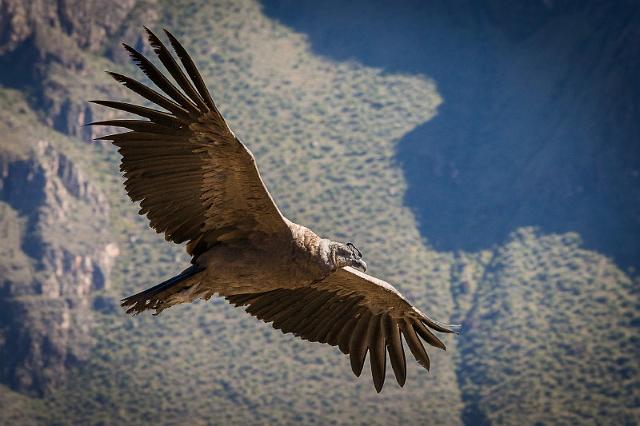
(360, 264)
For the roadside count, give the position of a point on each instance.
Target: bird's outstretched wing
(355, 311)
(194, 179)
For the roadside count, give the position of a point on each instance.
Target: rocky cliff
(456, 199)
(48, 49)
(55, 217)
(57, 256)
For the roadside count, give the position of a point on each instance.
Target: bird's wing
(194, 179)
(355, 311)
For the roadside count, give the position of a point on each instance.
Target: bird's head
(347, 255)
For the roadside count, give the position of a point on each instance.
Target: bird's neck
(312, 246)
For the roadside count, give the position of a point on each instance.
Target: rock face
(550, 322)
(46, 203)
(46, 45)
(89, 23)
(53, 219)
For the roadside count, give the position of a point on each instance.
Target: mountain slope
(323, 134)
(550, 324)
(551, 334)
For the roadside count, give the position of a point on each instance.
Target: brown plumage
(197, 183)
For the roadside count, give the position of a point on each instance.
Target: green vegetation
(549, 333)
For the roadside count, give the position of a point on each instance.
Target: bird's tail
(184, 287)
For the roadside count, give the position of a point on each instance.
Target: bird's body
(293, 260)
(197, 183)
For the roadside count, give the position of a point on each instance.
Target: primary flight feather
(197, 183)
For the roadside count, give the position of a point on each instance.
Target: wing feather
(150, 94)
(345, 335)
(396, 351)
(159, 79)
(137, 125)
(428, 336)
(324, 323)
(377, 353)
(342, 319)
(416, 348)
(358, 343)
(152, 114)
(174, 69)
(192, 70)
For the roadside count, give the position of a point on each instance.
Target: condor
(198, 183)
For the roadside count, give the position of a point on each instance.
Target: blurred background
(484, 155)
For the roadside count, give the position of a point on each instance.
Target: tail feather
(159, 297)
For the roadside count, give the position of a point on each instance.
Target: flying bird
(198, 183)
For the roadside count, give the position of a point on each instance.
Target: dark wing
(355, 311)
(194, 179)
